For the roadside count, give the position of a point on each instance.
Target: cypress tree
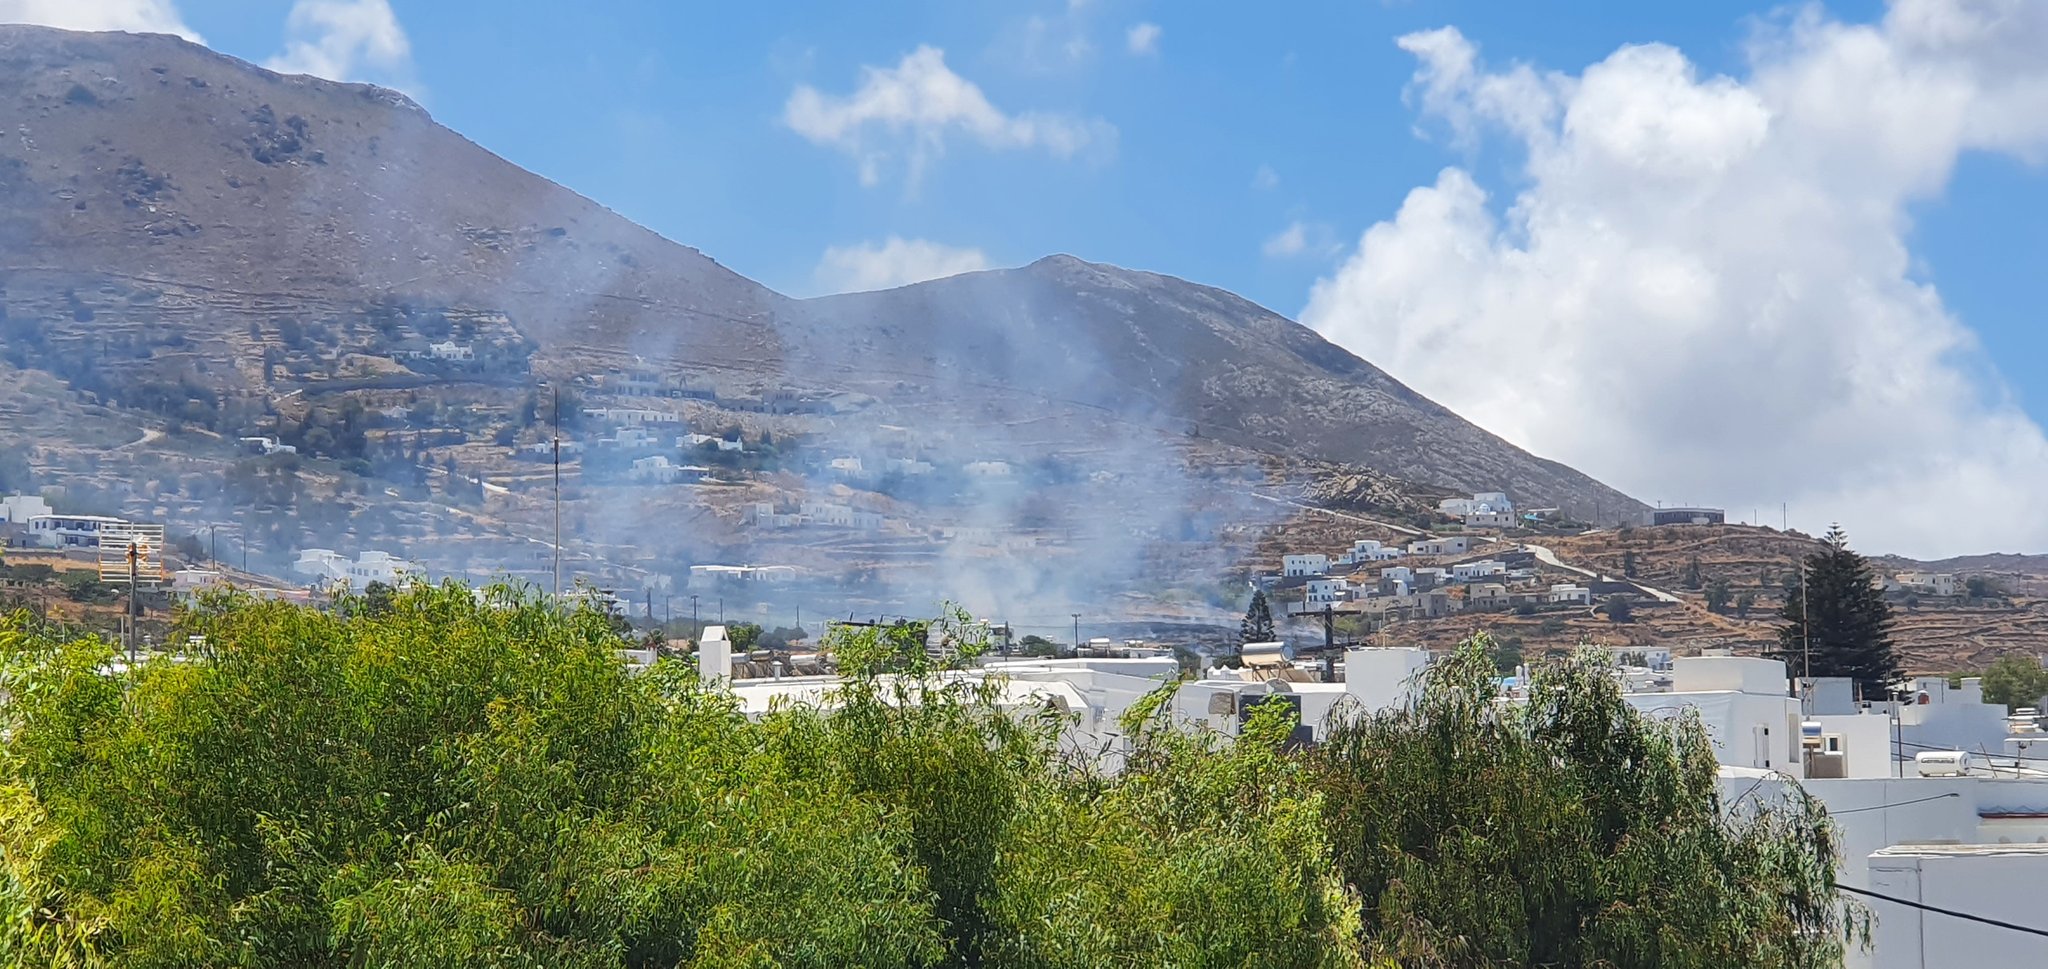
(1258, 621)
(1844, 624)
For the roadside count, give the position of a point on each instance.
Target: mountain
(194, 250)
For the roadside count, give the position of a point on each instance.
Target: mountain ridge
(240, 252)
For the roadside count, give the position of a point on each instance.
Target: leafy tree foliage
(1570, 830)
(1621, 608)
(1692, 573)
(1718, 595)
(1628, 563)
(445, 780)
(1744, 602)
(1843, 623)
(2015, 680)
(1257, 626)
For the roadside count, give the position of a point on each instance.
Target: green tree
(1507, 656)
(1038, 646)
(1606, 841)
(377, 599)
(1842, 623)
(1628, 563)
(744, 636)
(1621, 608)
(1692, 573)
(448, 784)
(1978, 587)
(2015, 680)
(1257, 626)
(1718, 595)
(1744, 602)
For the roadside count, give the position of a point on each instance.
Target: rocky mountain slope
(196, 245)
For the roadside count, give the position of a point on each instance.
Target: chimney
(714, 656)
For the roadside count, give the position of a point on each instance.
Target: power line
(2030, 930)
(1881, 807)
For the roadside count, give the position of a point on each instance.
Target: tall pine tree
(1258, 621)
(1844, 623)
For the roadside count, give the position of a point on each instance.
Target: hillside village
(1683, 581)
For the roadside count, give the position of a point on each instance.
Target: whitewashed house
(1929, 583)
(451, 351)
(656, 470)
(1480, 570)
(18, 509)
(1566, 593)
(324, 566)
(69, 531)
(1294, 566)
(1454, 545)
(1326, 591)
(1491, 519)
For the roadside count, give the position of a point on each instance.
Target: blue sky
(1254, 148)
(671, 114)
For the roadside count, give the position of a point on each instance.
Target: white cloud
(346, 40)
(913, 109)
(138, 16)
(1143, 39)
(1301, 238)
(1265, 179)
(1703, 291)
(894, 262)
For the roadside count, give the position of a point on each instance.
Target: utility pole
(721, 610)
(1077, 633)
(555, 433)
(134, 587)
(696, 627)
(1805, 624)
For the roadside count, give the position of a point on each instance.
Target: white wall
(1998, 883)
(1380, 678)
(1866, 740)
(1746, 674)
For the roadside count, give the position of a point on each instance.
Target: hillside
(1934, 634)
(194, 250)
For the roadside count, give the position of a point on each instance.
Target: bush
(421, 778)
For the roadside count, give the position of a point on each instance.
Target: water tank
(1942, 763)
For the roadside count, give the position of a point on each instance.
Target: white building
(1566, 592)
(1484, 502)
(846, 467)
(1476, 571)
(1326, 591)
(1454, 545)
(1990, 881)
(658, 470)
(1929, 583)
(631, 437)
(325, 566)
(18, 509)
(1300, 565)
(1491, 519)
(68, 531)
(267, 446)
(909, 467)
(451, 350)
(706, 576)
(1745, 704)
